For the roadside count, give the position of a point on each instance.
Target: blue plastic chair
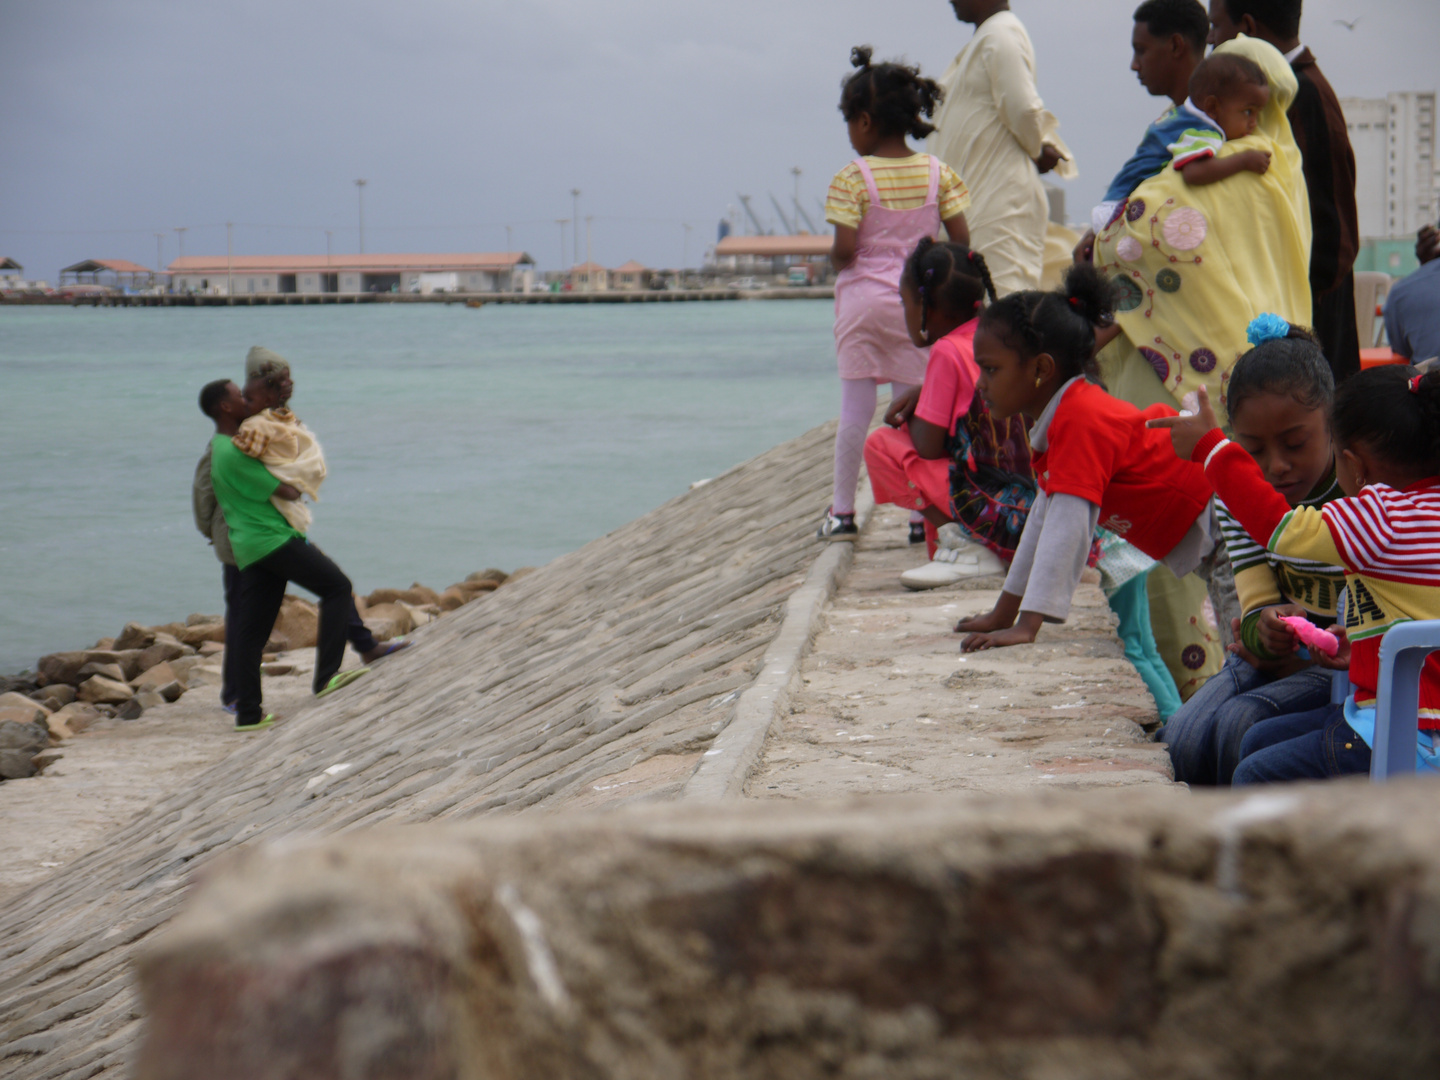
(1403, 652)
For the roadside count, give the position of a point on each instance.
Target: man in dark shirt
(1329, 162)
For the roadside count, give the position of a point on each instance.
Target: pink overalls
(870, 336)
(871, 341)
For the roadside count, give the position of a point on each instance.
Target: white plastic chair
(1371, 289)
(1403, 652)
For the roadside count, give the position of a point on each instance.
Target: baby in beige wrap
(276, 438)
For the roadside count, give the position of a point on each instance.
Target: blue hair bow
(1265, 328)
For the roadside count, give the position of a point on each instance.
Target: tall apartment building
(1397, 179)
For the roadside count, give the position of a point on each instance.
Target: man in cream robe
(995, 132)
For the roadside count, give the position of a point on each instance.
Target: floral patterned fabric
(1195, 264)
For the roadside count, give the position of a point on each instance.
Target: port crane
(789, 228)
(760, 230)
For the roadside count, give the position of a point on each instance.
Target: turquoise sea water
(456, 439)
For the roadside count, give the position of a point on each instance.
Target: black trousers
(261, 589)
(1334, 314)
(231, 579)
(356, 632)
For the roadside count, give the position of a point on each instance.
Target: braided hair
(948, 277)
(898, 98)
(1395, 411)
(1293, 366)
(1060, 323)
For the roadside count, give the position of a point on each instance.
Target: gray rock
(65, 667)
(15, 700)
(110, 671)
(160, 652)
(28, 737)
(202, 620)
(101, 690)
(57, 696)
(171, 691)
(16, 764)
(135, 636)
(131, 710)
(45, 758)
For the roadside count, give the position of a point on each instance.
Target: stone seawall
(600, 678)
(1114, 934)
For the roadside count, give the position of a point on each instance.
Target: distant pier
(667, 296)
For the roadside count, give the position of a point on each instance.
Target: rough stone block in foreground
(1290, 933)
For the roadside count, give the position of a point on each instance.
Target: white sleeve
(1016, 97)
(1059, 556)
(1019, 575)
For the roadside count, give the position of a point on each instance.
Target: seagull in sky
(1348, 25)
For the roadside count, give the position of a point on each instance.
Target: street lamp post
(360, 189)
(684, 252)
(575, 195)
(229, 262)
(562, 222)
(180, 237)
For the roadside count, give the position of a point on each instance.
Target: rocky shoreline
(146, 666)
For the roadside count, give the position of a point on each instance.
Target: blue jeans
(1204, 736)
(1314, 745)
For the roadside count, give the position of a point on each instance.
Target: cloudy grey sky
(122, 118)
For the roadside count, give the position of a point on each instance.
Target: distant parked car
(747, 283)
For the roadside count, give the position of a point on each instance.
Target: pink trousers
(901, 476)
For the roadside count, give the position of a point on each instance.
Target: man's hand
(1256, 161)
(1048, 159)
(285, 491)
(1085, 249)
(1187, 431)
(902, 407)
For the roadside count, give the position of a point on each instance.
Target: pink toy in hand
(1311, 635)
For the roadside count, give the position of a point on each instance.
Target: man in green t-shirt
(269, 554)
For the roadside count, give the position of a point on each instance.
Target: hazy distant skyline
(126, 119)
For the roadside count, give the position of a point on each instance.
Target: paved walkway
(888, 703)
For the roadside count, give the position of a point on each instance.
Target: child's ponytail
(1426, 388)
(1395, 411)
(898, 98)
(1061, 323)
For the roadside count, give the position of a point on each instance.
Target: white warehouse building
(241, 275)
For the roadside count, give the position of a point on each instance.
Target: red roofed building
(773, 254)
(219, 275)
(114, 273)
(630, 277)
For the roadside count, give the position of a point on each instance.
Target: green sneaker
(342, 679)
(268, 720)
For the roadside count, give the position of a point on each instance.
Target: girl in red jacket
(1096, 462)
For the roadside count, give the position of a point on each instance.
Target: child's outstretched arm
(1211, 170)
(1261, 510)
(1043, 577)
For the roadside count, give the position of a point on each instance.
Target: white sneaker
(951, 565)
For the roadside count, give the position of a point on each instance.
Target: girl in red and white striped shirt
(1385, 533)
